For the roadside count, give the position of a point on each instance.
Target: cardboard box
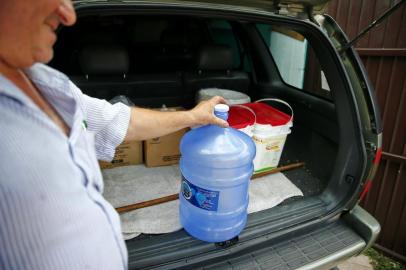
(127, 153)
(163, 150)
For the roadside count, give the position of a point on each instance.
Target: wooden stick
(174, 197)
(279, 169)
(139, 205)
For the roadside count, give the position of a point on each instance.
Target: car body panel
(364, 96)
(294, 8)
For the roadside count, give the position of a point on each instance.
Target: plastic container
(243, 118)
(268, 128)
(232, 97)
(123, 99)
(216, 166)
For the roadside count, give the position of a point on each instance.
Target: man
(52, 213)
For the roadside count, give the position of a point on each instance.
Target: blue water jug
(216, 166)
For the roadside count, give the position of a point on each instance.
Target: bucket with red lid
(267, 126)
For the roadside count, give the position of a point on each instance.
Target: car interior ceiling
(114, 55)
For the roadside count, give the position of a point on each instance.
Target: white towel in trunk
(133, 184)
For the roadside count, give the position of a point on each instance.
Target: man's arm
(112, 124)
(147, 124)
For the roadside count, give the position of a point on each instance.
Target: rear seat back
(107, 60)
(104, 70)
(152, 60)
(154, 90)
(105, 75)
(157, 80)
(215, 69)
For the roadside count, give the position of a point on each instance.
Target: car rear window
(295, 59)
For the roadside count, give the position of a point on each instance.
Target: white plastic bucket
(231, 97)
(269, 136)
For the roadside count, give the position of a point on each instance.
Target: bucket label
(269, 151)
(200, 197)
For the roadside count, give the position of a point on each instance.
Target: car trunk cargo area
(157, 60)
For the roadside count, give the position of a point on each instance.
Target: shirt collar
(44, 75)
(41, 75)
(8, 88)
(51, 83)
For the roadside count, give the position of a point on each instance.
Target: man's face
(28, 27)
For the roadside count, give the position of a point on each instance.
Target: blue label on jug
(200, 197)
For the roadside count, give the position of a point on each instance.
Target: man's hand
(203, 112)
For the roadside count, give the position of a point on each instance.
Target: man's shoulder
(46, 75)
(47, 70)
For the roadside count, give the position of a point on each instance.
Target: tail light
(368, 183)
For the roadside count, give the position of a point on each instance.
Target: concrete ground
(360, 262)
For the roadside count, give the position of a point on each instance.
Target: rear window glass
(295, 59)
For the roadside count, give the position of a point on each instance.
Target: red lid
(266, 114)
(239, 117)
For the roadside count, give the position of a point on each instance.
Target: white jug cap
(221, 108)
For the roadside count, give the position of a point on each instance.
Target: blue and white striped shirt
(52, 213)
